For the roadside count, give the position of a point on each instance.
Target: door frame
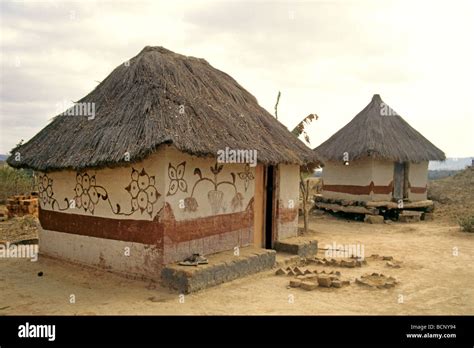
(259, 207)
(401, 184)
(270, 206)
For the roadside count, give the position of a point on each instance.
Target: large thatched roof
(139, 107)
(379, 132)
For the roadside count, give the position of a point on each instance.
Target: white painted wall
(143, 260)
(356, 173)
(236, 186)
(288, 198)
(382, 175)
(231, 195)
(418, 177)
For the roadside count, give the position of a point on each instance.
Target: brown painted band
(138, 231)
(186, 230)
(414, 189)
(360, 190)
(144, 231)
(366, 190)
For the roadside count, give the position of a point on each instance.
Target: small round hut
(376, 158)
(165, 158)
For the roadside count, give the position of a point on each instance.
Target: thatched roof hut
(161, 97)
(378, 131)
(169, 157)
(377, 156)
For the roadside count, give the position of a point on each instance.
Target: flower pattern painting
(176, 176)
(87, 193)
(143, 191)
(246, 176)
(45, 189)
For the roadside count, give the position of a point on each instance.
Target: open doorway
(269, 206)
(400, 180)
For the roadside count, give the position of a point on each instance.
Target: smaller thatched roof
(378, 131)
(161, 97)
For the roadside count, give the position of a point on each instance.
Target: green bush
(15, 182)
(467, 223)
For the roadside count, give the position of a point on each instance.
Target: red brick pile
(21, 205)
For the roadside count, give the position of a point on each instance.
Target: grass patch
(467, 223)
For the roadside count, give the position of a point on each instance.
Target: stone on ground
(295, 283)
(306, 285)
(324, 281)
(374, 219)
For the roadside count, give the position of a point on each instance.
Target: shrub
(15, 182)
(467, 223)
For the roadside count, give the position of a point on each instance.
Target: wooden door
(400, 181)
(259, 200)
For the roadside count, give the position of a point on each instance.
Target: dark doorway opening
(269, 205)
(400, 180)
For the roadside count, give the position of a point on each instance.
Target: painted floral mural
(142, 191)
(215, 196)
(46, 193)
(87, 192)
(45, 189)
(176, 179)
(246, 176)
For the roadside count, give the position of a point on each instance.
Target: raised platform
(409, 216)
(301, 246)
(425, 205)
(370, 207)
(222, 267)
(347, 208)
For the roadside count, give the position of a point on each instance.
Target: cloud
(327, 57)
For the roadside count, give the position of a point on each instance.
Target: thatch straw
(378, 132)
(138, 109)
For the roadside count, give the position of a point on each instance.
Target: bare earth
(432, 280)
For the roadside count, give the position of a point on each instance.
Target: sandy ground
(432, 281)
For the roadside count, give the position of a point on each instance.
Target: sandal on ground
(188, 263)
(201, 260)
(194, 260)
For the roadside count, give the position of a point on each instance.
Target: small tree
(305, 170)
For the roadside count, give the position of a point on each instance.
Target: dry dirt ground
(432, 280)
(454, 195)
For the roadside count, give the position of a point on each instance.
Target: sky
(326, 57)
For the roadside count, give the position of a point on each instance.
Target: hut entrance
(269, 211)
(259, 207)
(400, 181)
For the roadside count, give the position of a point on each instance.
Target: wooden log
(348, 209)
(406, 205)
(411, 213)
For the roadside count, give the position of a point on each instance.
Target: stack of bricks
(21, 205)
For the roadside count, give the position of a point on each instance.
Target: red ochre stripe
(366, 190)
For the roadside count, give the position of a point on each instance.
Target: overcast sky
(326, 57)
